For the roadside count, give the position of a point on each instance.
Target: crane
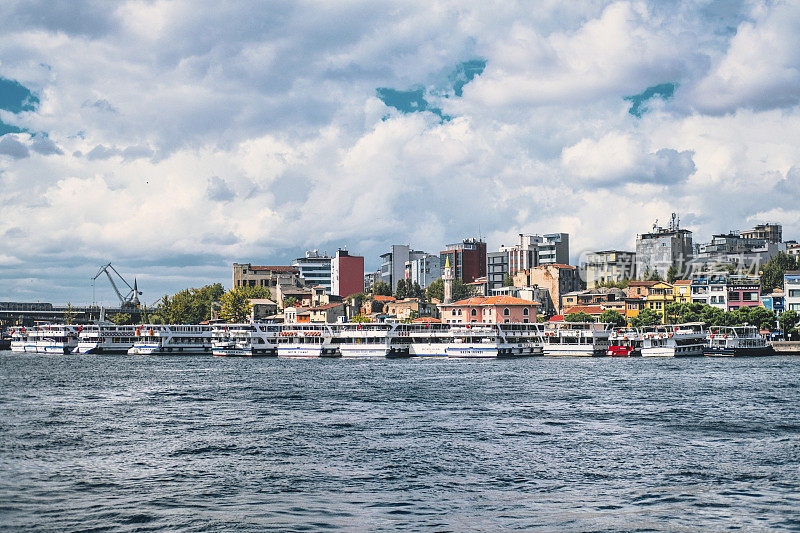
(131, 299)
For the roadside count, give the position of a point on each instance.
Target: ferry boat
(583, 339)
(55, 339)
(428, 339)
(679, 340)
(245, 340)
(478, 340)
(379, 339)
(105, 339)
(307, 340)
(171, 339)
(735, 341)
(19, 338)
(624, 342)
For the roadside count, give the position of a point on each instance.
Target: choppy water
(199, 443)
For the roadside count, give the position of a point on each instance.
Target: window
(506, 312)
(525, 312)
(459, 312)
(474, 312)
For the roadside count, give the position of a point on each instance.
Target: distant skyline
(176, 138)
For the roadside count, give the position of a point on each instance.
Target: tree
(382, 288)
(69, 314)
(654, 276)
(508, 281)
(290, 301)
(647, 317)
(400, 292)
(191, 306)
(773, 271)
(579, 317)
(788, 321)
(360, 318)
(418, 291)
(121, 319)
(672, 274)
(235, 305)
(435, 290)
(357, 300)
(614, 318)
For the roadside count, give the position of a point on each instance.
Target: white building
(315, 269)
(393, 263)
(791, 289)
(423, 270)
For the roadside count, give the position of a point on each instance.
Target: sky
(174, 138)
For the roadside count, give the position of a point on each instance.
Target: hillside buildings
(557, 280)
(772, 233)
(609, 266)
(490, 310)
(530, 251)
(423, 269)
(393, 263)
(347, 274)
(247, 275)
(315, 269)
(467, 258)
(663, 248)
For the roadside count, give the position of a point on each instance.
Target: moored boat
(736, 341)
(582, 339)
(678, 340)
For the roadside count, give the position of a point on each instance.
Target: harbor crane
(131, 298)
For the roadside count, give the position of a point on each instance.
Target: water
(197, 443)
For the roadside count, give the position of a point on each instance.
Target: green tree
(235, 305)
(435, 290)
(290, 301)
(121, 319)
(579, 317)
(672, 274)
(654, 276)
(788, 321)
(418, 292)
(382, 288)
(614, 318)
(400, 292)
(360, 318)
(191, 306)
(357, 299)
(647, 317)
(69, 314)
(508, 281)
(773, 271)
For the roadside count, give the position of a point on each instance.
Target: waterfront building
(557, 279)
(769, 232)
(315, 269)
(347, 274)
(496, 269)
(598, 296)
(639, 289)
(248, 275)
(773, 302)
(467, 259)
(261, 308)
(370, 278)
(791, 290)
(592, 310)
(682, 291)
(410, 307)
(633, 306)
(537, 294)
(423, 270)
(326, 313)
(489, 310)
(663, 248)
(743, 291)
(609, 266)
(659, 297)
(793, 249)
(393, 263)
(726, 291)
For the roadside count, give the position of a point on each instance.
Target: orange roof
(382, 298)
(427, 319)
(588, 309)
(326, 306)
(493, 300)
(556, 318)
(557, 265)
(682, 282)
(642, 283)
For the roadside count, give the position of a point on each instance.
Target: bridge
(29, 313)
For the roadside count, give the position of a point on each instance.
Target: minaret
(447, 278)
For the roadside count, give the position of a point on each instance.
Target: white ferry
(245, 340)
(584, 339)
(625, 342)
(476, 340)
(679, 340)
(19, 339)
(54, 339)
(171, 339)
(380, 339)
(428, 339)
(736, 341)
(307, 340)
(105, 339)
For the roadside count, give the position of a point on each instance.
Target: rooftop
(492, 300)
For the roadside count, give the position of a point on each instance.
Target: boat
(678, 340)
(624, 342)
(105, 339)
(428, 339)
(55, 339)
(307, 340)
(362, 339)
(172, 339)
(245, 340)
(583, 339)
(19, 338)
(736, 341)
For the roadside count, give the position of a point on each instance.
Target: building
(791, 290)
(772, 233)
(793, 249)
(658, 298)
(533, 294)
(489, 310)
(633, 306)
(726, 291)
(423, 270)
(347, 274)
(496, 269)
(467, 258)
(554, 249)
(535, 250)
(410, 308)
(315, 269)
(370, 278)
(556, 279)
(592, 310)
(682, 291)
(639, 289)
(663, 248)
(743, 291)
(393, 263)
(599, 296)
(247, 275)
(733, 250)
(262, 308)
(330, 312)
(773, 302)
(609, 266)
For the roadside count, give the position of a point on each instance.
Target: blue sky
(173, 138)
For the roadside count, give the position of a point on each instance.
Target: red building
(347, 274)
(467, 258)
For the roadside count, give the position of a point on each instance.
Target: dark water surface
(202, 443)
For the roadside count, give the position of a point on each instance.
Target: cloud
(10, 146)
(219, 191)
(639, 101)
(101, 152)
(45, 146)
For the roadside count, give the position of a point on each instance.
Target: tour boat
(370, 340)
(428, 339)
(584, 339)
(245, 340)
(624, 342)
(19, 338)
(105, 339)
(307, 340)
(55, 339)
(679, 340)
(736, 341)
(477, 340)
(171, 339)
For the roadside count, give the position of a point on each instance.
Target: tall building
(535, 250)
(554, 249)
(393, 263)
(370, 278)
(467, 258)
(315, 269)
(609, 265)
(769, 232)
(347, 274)
(247, 275)
(556, 279)
(423, 270)
(496, 269)
(662, 248)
